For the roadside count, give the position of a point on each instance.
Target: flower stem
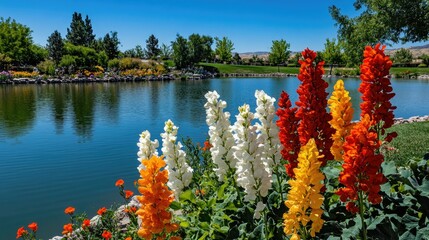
(362, 215)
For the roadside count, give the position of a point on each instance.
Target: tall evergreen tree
(80, 32)
(76, 33)
(152, 48)
(89, 35)
(55, 46)
(111, 45)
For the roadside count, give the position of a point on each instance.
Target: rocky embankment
(412, 119)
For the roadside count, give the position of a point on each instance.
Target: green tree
(180, 52)
(279, 53)
(15, 41)
(381, 21)
(55, 46)
(165, 52)
(403, 56)
(236, 58)
(332, 53)
(111, 45)
(80, 32)
(5, 62)
(425, 59)
(89, 35)
(295, 59)
(195, 48)
(207, 51)
(37, 55)
(224, 49)
(152, 48)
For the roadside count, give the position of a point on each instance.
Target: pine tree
(111, 45)
(152, 48)
(55, 46)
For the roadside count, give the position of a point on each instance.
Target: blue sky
(250, 24)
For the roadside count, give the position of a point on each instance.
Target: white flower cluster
(220, 135)
(268, 130)
(147, 148)
(180, 173)
(251, 172)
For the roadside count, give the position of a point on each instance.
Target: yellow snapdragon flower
(304, 198)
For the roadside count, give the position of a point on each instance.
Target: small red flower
(67, 228)
(207, 146)
(86, 223)
(101, 211)
(119, 183)
(128, 194)
(21, 232)
(128, 238)
(106, 235)
(69, 210)
(33, 226)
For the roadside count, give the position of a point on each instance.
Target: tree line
(80, 49)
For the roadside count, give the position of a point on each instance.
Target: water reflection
(60, 97)
(17, 110)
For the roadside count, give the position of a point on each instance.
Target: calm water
(66, 145)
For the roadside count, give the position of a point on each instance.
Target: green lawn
(414, 70)
(412, 141)
(226, 68)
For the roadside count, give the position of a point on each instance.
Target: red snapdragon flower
(106, 235)
(21, 232)
(288, 133)
(361, 168)
(101, 211)
(69, 210)
(33, 226)
(376, 89)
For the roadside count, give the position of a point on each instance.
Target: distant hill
(417, 51)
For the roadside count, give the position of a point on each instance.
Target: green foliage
(403, 56)
(47, 67)
(425, 59)
(422, 65)
(80, 32)
(15, 41)
(5, 61)
(37, 54)
(129, 63)
(165, 52)
(152, 48)
(103, 59)
(224, 49)
(180, 52)
(279, 52)
(332, 53)
(55, 46)
(111, 45)
(243, 69)
(84, 57)
(388, 20)
(68, 62)
(236, 58)
(200, 48)
(113, 64)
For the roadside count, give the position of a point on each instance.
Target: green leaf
(204, 225)
(221, 190)
(257, 233)
(389, 168)
(424, 187)
(184, 224)
(187, 196)
(175, 205)
(204, 236)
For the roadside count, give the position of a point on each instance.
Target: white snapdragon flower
(147, 148)
(265, 113)
(260, 206)
(180, 173)
(220, 135)
(251, 170)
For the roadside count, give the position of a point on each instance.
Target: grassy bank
(412, 141)
(226, 68)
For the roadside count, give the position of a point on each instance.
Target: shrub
(113, 64)
(422, 65)
(129, 63)
(47, 67)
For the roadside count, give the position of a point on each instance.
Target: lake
(66, 145)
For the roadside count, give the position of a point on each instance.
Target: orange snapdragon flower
(69, 210)
(101, 211)
(21, 232)
(67, 229)
(155, 199)
(33, 226)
